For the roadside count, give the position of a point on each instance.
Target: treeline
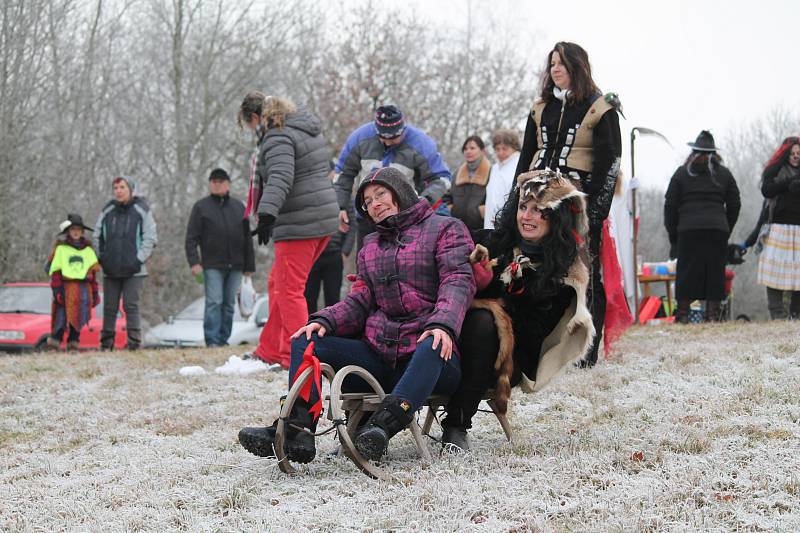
(150, 89)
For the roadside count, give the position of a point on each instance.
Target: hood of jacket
(304, 121)
(405, 219)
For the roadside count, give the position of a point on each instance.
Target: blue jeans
(412, 379)
(221, 288)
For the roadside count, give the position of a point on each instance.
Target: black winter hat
(219, 174)
(704, 142)
(392, 179)
(72, 220)
(389, 122)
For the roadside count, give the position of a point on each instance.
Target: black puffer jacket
(218, 227)
(701, 201)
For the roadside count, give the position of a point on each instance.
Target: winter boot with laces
(392, 416)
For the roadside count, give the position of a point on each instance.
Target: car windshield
(22, 299)
(195, 310)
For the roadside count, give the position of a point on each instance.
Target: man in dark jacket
(126, 236)
(389, 141)
(218, 227)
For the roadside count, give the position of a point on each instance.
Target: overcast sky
(679, 66)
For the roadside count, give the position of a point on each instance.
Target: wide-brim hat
(392, 179)
(72, 220)
(704, 142)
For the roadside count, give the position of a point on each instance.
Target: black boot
(392, 416)
(455, 439)
(107, 340)
(682, 312)
(259, 440)
(454, 430)
(299, 444)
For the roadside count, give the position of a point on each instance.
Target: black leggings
(478, 345)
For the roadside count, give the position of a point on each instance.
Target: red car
(25, 319)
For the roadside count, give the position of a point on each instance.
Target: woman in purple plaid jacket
(399, 322)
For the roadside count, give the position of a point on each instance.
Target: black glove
(794, 186)
(264, 228)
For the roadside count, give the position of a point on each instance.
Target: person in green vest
(73, 267)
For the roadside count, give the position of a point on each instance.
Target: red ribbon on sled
(311, 361)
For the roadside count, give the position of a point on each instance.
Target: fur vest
(566, 343)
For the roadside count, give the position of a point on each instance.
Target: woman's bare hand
(440, 336)
(309, 329)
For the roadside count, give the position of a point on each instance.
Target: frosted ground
(688, 428)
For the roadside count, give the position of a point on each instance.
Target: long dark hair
(559, 245)
(576, 61)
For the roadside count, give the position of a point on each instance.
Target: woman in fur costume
(529, 318)
(73, 267)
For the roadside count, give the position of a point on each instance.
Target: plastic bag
(246, 297)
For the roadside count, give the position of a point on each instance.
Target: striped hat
(389, 122)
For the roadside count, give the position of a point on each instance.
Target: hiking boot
(392, 416)
(259, 441)
(72, 346)
(455, 439)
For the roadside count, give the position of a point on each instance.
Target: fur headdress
(548, 188)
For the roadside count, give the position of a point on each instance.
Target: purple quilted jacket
(413, 275)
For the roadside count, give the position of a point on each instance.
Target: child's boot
(53, 344)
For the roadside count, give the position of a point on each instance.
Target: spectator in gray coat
(126, 236)
(296, 207)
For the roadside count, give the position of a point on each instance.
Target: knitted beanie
(392, 179)
(389, 122)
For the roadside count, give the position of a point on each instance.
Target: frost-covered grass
(687, 428)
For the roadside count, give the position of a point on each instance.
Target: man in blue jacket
(389, 141)
(217, 225)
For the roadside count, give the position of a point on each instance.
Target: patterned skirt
(779, 263)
